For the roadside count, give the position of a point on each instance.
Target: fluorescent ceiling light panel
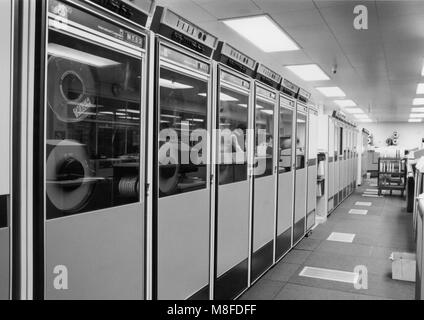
(309, 72)
(268, 112)
(173, 84)
(365, 120)
(263, 32)
(353, 110)
(420, 88)
(415, 120)
(80, 56)
(345, 103)
(416, 115)
(418, 102)
(419, 109)
(331, 92)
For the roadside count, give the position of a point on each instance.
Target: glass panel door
(233, 123)
(285, 140)
(285, 178)
(183, 125)
(92, 127)
(232, 222)
(264, 137)
(300, 140)
(182, 215)
(264, 183)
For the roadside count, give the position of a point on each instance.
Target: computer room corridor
(363, 231)
(193, 153)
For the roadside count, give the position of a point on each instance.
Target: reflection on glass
(264, 130)
(183, 123)
(92, 127)
(233, 122)
(336, 144)
(300, 140)
(285, 135)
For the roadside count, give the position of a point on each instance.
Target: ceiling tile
(277, 6)
(301, 18)
(230, 9)
(399, 8)
(188, 9)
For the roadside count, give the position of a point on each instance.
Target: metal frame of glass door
(218, 69)
(174, 67)
(39, 280)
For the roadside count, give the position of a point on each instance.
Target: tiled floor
(385, 228)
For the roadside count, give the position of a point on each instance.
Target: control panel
(235, 59)
(304, 95)
(172, 26)
(342, 117)
(289, 88)
(286, 103)
(268, 76)
(264, 93)
(234, 80)
(136, 13)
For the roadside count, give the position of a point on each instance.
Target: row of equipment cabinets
(162, 163)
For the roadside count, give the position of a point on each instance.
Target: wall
(410, 134)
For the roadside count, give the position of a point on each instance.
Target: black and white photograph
(207, 157)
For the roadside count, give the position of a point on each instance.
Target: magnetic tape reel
(71, 86)
(129, 187)
(68, 175)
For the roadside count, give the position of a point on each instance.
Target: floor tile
(282, 272)
(329, 274)
(296, 256)
(298, 292)
(380, 226)
(264, 289)
(341, 237)
(308, 244)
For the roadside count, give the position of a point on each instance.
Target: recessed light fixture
(353, 110)
(419, 109)
(331, 92)
(345, 103)
(418, 102)
(365, 120)
(415, 120)
(254, 28)
(309, 72)
(416, 115)
(420, 88)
